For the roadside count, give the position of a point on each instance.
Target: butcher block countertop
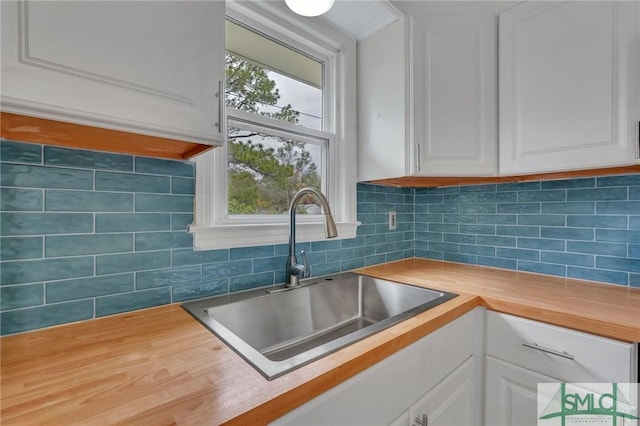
(160, 366)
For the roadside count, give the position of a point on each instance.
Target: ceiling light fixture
(309, 7)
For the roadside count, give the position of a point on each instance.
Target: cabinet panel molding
(568, 93)
(454, 94)
(73, 51)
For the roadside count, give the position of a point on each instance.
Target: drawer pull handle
(221, 100)
(562, 354)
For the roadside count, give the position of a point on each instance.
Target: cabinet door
(569, 86)
(139, 66)
(511, 394)
(454, 95)
(451, 403)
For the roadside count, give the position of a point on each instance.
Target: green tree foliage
(262, 180)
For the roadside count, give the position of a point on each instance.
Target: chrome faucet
(295, 270)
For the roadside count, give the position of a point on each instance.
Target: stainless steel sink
(283, 330)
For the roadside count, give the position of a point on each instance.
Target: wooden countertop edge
(398, 337)
(604, 328)
(436, 181)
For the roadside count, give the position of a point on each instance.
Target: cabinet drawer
(569, 355)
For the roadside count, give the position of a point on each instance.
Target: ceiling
(452, 7)
(363, 18)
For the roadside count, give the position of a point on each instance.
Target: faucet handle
(306, 273)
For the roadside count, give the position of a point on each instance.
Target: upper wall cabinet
(141, 67)
(427, 98)
(454, 95)
(569, 85)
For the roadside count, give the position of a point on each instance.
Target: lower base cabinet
(450, 403)
(511, 394)
(439, 376)
(522, 353)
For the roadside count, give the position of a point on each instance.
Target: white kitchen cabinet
(432, 374)
(454, 94)
(427, 98)
(151, 68)
(522, 353)
(569, 86)
(511, 394)
(451, 402)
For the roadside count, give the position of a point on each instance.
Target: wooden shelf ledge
(22, 128)
(435, 181)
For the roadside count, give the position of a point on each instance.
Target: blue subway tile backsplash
(83, 288)
(18, 320)
(28, 223)
(124, 302)
(157, 166)
(19, 152)
(77, 245)
(30, 176)
(33, 270)
(84, 201)
(86, 234)
(132, 183)
(180, 293)
(580, 228)
(14, 248)
(76, 158)
(21, 296)
(16, 199)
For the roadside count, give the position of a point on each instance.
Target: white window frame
(212, 228)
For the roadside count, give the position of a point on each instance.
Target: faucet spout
(295, 270)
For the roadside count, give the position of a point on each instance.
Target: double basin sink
(279, 331)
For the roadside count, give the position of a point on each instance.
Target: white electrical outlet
(392, 220)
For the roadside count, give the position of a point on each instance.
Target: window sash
(279, 128)
(273, 54)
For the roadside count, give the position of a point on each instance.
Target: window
(269, 86)
(290, 90)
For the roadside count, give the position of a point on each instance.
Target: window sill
(230, 236)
